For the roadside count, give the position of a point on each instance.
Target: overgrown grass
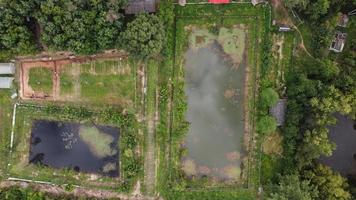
(41, 79)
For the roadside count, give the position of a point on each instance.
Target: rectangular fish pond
(215, 77)
(343, 158)
(86, 148)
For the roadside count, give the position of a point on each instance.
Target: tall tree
(144, 36)
(331, 185)
(291, 187)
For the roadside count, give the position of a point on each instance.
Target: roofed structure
(255, 2)
(278, 111)
(343, 20)
(6, 82)
(138, 6)
(338, 43)
(7, 68)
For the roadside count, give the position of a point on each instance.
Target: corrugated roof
(6, 82)
(279, 111)
(137, 6)
(7, 68)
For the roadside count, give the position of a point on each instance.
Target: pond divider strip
(13, 127)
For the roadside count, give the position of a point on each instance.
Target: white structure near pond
(6, 82)
(7, 68)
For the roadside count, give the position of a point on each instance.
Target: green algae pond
(215, 77)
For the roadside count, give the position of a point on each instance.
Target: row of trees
(83, 27)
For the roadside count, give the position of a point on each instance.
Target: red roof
(219, 1)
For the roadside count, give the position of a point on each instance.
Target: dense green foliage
(291, 187)
(78, 26)
(329, 184)
(14, 29)
(144, 36)
(266, 124)
(16, 193)
(269, 97)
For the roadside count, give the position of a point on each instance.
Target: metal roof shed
(7, 68)
(279, 111)
(6, 82)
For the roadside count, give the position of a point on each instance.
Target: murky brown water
(215, 111)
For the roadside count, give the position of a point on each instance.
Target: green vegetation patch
(41, 79)
(109, 81)
(98, 141)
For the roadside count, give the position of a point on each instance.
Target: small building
(343, 20)
(338, 43)
(278, 111)
(219, 1)
(255, 2)
(7, 68)
(284, 28)
(138, 6)
(182, 2)
(6, 82)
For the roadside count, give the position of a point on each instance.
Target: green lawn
(41, 79)
(100, 81)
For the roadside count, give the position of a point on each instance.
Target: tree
(291, 187)
(299, 4)
(144, 36)
(315, 143)
(269, 97)
(331, 185)
(317, 9)
(266, 124)
(80, 26)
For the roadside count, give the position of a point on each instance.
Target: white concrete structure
(6, 82)
(7, 68)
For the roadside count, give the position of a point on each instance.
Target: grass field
(99, 81)
(41, 79)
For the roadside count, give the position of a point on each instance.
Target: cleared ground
(109, 80)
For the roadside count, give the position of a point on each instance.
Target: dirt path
(78, 191)
(278, 5)
(151, 120)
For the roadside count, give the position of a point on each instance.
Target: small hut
(343, 20)
(6, 82)
(255, 2)
(7, 68)
(278, 111)
(338, 43)
(138, 6)
(284, 28)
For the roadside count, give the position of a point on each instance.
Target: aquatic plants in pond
(98, 141)
(71, 145)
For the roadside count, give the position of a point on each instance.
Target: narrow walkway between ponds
(151, 119)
